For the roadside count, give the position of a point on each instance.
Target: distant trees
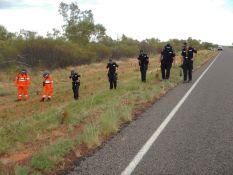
(4, 34)
(79, 25)
(80, 42)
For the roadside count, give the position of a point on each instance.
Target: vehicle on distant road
(220, 48)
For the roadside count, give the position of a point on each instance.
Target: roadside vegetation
(36, 137)
(81, 41)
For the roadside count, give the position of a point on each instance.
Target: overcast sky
(207, 20)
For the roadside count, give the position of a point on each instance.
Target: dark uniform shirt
(187, 54)
(143, 59)
(75, 78)
(167, 54)
(112, 68)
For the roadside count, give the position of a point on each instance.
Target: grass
(52, 154)
(54, 129)
(90, 136)
(24, 170)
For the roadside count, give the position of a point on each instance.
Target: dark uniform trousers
(188, 69)
(112, 77)
(143, 69)
(165, 70)
(75, 87)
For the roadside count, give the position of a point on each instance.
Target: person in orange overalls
(47, 86)
(22, 82)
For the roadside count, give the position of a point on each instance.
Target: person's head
(185, 45)
(23, 71)
(167, 46)
(110, 60)
(45, 74)
(72, 72)
(141, 51)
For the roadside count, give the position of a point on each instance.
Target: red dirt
(16, 157)
(23, 156)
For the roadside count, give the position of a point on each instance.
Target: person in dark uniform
(143, 63)
(75, 83)
(166, 59)
(112, 75)
(188, 54)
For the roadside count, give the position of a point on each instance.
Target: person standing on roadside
(112, 74)
(143, 61)
(22, 81)
(166, 59)
(188, 54)
(75, 77)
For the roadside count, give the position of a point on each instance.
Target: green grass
(109, 121)
(51, 155)
(99, 110)
(24, 170)
(90, 136)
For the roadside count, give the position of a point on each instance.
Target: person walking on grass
(188, 54)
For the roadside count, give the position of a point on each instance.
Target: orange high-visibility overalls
(47, 87)
(22, 81)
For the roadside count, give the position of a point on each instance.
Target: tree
(100, 33)
(79, 25)
(194, 43)
(3, 33)
(27, 34)
(56, 34)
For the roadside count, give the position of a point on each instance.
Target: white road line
(133, 164)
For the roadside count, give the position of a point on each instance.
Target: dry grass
(31, 126)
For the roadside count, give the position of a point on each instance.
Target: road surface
(191, 135)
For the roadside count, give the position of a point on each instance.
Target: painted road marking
(136, 160)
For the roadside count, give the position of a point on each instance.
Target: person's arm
(173, 56)
(28, 80)
(183, 53)
(147, 59)
(51, 82)
(195, 50)
(161, 55)
(194, 53)
(16, 80)
(139, 60)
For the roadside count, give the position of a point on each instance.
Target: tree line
(81, 41)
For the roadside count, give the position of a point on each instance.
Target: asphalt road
(197, 140)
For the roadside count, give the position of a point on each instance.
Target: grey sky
(18, 4)
(206, 20)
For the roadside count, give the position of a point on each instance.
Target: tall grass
(99, 111)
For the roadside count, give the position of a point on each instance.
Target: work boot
(49, 99)
(42, 100)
